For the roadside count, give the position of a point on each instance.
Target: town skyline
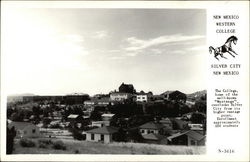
(61, 51)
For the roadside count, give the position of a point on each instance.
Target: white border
(210, 6)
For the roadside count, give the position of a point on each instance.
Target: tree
(11, 133)
(120, 136)
(134, 135)
(96, 116)
(46, 122)
(197, 118)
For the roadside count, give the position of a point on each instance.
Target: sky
(56, 51)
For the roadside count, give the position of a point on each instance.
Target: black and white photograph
(124, 81)
(105, 81)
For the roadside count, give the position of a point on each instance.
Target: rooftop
(152, 125)
(153, 136)
(73, 116)
(192, 134)
(104, 130)
(108, 115)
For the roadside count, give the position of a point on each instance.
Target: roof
(104, 130)
(108, 115)
(151, 125)
(166, 120)
(119, 93)
(191, 134)
(73, 116)
(100, 122)
(19, 125)
(195, 135)
(153, 136)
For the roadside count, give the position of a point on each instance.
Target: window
(148, 131)
(92, 136)
(33, 130)
(193, 142)
(102, 137)
(142, 131)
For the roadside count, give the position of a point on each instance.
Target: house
(119, 96)
(107, 117)
(198, 127)
(74, 119)
(190, 102)
(105, 101)
(25, 129)
(154, 138)
(90, 102)
(188, 138)
(179, 124)
(151, 127)
(103, 134)
(100, 123)
(167, 123)
(166, 94)
(143, 97)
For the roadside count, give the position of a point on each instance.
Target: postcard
(125, 81)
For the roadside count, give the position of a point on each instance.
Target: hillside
(83, 147)
(197, 94)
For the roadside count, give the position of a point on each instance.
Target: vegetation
(83, 147)
(11, 133)
(27, 143)
(59, 145)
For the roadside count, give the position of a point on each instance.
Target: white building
(151, 127)
(103, 134)
(118, 96)
(107, 117)
(100, 123)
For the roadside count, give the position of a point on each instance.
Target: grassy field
(84, 147)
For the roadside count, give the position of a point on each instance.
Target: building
(167, 123)
(118, 96)
(127, 88)
(100, 123)
(73, 119)
(155, 139)
(151, 127)
(188, 138)
(143, 97)
(25, 129)
(107, 117)
(103, 134)
(76, 98)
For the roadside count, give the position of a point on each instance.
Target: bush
(78, 135)
(45, 141)
(27, 143)
(42, 145)
(77, 151)
(59, 145)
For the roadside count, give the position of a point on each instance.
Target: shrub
(77, 151)
(45, 141)
(59, 145)
(78, 135)
(42, 145)
(27, 143)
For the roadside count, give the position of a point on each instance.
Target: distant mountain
(197, 94)
(167, 93)
(22, 94)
